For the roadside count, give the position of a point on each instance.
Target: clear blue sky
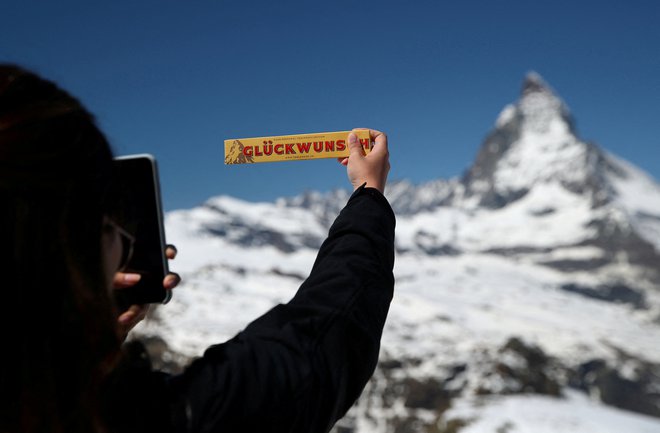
(176, 78)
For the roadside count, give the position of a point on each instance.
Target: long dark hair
(55, 183)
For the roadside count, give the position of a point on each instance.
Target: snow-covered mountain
(527, 294)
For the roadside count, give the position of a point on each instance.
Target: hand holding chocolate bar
(352, 148)
(292, 147)
(371, 168)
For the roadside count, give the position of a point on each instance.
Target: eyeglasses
(127, 243)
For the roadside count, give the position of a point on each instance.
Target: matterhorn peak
(534, 83)
(540, 107)
(534, 141)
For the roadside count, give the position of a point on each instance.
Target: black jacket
(297, 368)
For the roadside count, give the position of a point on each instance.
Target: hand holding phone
(134, 314)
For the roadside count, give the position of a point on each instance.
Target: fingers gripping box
(292, 147)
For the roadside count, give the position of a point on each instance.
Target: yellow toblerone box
(292, 147)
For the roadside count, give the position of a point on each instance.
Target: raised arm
(300, 367)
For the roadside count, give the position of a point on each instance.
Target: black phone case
(138, 181)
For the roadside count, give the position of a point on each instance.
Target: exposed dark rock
(297, 276)
(214, 208)
(455, 371)
(619, 293)
(408, 199)
(514, 251)
(217, 230)
(532, 375)
(255, 236)
(543, 212)
(390, 364)
(534, 356)
(427, 394)
(647, 216)
(569, 265)
(407, 425)
(482, 172)
(613, 239)
(429, 244)
(639, 394)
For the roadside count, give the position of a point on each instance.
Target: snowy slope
(575, 414)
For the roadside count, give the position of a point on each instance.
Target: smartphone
(141, 214)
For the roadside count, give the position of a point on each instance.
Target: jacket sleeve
(300, 367)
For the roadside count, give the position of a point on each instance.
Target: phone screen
(141, 215)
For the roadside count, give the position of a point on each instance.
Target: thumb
(354, 146)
